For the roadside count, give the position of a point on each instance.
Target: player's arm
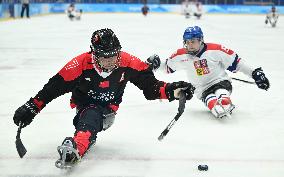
(156, 64)
(63, 82)
(155, 89)
(171, 64)
(143, 77)
(234, 63)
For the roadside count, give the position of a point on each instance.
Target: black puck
(202, 167)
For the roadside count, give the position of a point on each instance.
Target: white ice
(250, 144)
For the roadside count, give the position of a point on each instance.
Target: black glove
(154, 61)
(172, 90)
(261, 81)
(26, 113)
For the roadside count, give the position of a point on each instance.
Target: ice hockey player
(72, 13)
(272, 17)
(186, 8)
(145, 10)
(97, 80)
(206, 65)
(190, 8)
(198, 10)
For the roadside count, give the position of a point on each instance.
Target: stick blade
(163, 134)
(20, 148)
(161, 137)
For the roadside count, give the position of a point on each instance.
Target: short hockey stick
(181, 107)
(19, 145)
(245, 81)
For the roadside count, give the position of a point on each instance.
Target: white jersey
(198, 8)
(272, 16)
(208, 67)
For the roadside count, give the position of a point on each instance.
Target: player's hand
(154, 61)
(173, 90)
(261, 81)
(26, 113)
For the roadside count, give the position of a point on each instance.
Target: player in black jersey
(97, 80)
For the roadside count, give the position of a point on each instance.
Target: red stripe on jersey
(72, 104)
(163, 94)
(181, 51)
(82, 140)
(114, 107)
(127, 60)
(76, 66)
(211, 46)
(38, 103)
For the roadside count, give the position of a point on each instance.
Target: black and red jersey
(90, 85)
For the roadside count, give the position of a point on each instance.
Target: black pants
(91, 118)
(27, 8)
(221, 85)
(11, 10)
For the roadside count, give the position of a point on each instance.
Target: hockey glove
(261, 81)
(26, 113)
(173, 90)
(154, 61)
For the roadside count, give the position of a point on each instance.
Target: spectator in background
(25, 7)
(145, 9)
(11, 10)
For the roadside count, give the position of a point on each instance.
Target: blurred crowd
(229, 2)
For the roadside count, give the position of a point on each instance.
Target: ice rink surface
(250, 144)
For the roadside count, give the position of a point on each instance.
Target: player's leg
(197, 15)
(224, 99)
(88, 122)
(217, 99)
(266, 20)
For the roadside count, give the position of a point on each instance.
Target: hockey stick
(182, 100)
(19, 145)
(245, 81)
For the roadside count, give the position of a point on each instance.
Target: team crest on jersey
(201, 67)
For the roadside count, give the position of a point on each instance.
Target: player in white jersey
(198, 10)
(272, 17)
(190, 8)
(73, 13)
(206, 65)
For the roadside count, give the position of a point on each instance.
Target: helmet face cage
(105, 44)
(192, 33)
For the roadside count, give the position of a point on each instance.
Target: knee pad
(210, 101)
(223, 96)
(108, 120)
(89, 119)
(220, 104)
